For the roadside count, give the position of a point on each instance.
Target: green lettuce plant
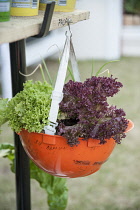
(29, 109)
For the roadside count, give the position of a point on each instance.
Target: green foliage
(3, 104)
(100, 69)
(29, 109)
(48, 73)
(7, 151)
(54, 186)
(132, 6)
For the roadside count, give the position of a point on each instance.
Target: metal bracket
(47, 20)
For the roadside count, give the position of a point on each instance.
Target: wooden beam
(23, 27)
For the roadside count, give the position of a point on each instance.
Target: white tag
(62, 2)
(25, 3)
(4, 6)
(58, 2)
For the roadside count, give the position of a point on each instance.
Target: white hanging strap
(74, 62)
(57, 94)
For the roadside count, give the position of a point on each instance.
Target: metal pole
(18, 63)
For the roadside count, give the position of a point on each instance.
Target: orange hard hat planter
(52, 153)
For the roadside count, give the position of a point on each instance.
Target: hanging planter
(52, 153)
(65, 113)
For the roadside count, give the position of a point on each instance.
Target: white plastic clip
(51, 128)
(57, 96)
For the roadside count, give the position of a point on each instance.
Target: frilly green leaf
(29, 109)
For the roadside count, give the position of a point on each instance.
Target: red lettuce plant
(87, 112)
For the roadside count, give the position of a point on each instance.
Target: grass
(116, 186)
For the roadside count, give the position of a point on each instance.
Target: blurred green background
(116, 186)
(132, 6)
